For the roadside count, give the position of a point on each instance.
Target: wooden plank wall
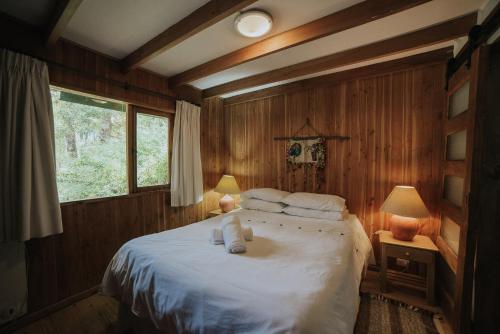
(87, 71)
(64, 265)
(393, 119)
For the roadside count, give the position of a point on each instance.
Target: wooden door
(457, 237)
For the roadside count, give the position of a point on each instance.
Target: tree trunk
(71, 148)
(105, 131)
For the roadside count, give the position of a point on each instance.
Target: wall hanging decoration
(308, 153)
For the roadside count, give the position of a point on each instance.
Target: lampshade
(405, 201)
(227, 185)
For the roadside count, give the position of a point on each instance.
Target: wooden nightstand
(218, 212)
(421, 250)
(214, 213)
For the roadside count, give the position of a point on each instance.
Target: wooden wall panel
(63, 265)
(87, 71)
(67, 264)
(393, 119)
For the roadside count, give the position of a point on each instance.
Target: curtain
(186, 184)
(29, 205)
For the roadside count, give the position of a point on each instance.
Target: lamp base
(404, 228)
(226, 203)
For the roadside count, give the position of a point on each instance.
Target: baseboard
(42, 313)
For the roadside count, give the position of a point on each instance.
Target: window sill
(139, 192)
(152, 188)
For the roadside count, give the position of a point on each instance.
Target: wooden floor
(99, 314)
(94, 315)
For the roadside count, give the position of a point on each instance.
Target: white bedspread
(298, 275)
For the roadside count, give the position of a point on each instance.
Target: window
(90, 146)
(152, 137)
(105, 148)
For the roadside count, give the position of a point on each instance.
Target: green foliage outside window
(152, 150)
(90, 142)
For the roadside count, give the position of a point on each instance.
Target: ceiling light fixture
(253, 23)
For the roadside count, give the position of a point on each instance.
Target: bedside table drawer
(406, 253)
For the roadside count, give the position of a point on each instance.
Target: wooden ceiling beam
(63, 12)
(347, 18)
(202, 18)
(421, 38)
(436, 56)
(188, 93)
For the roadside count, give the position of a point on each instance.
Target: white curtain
(186, 184)
(29, 205)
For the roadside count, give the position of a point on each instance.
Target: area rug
(381, 315)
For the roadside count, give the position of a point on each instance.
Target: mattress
(298, 275)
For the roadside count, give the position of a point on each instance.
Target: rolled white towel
(234, 242)
(217, 238)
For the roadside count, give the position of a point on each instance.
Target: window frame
(104, 98)
(132, 111)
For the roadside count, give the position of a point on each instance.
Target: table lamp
(227, 186)
(406, 207)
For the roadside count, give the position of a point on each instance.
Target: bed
(298, 275)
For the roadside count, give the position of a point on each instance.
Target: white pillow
(265, 194)
(257, 204)
(309, 213)
(315, 201)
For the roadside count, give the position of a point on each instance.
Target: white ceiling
(221, 38)
(114, 27)
(344, 68)
(118, 27)
(406, 21)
